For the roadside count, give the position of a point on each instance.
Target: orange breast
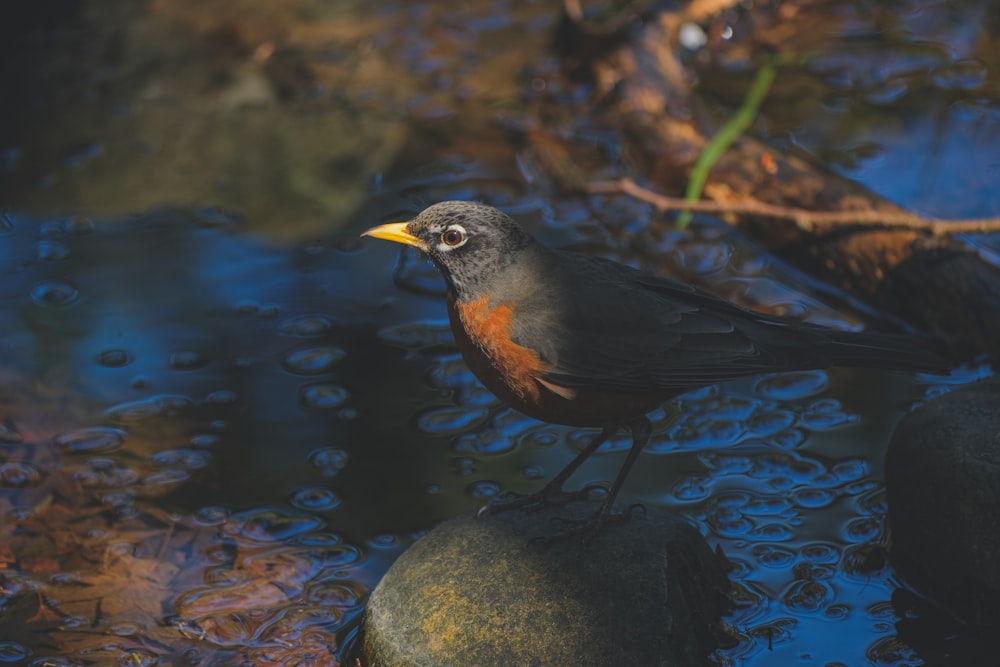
(490, 330)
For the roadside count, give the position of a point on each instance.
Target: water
(225, 420)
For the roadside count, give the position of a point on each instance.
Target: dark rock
(943, 483)
(648, 591)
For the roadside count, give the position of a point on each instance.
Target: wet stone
(943, 487)
(486, 592)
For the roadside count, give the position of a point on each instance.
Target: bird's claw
(532, 502)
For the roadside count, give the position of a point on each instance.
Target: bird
(585, 341)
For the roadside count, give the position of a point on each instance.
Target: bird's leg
(552, 493)
(590, 526)
(641, 430)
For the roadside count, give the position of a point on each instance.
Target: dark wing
(635, 332)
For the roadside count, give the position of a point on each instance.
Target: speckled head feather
(470, 243)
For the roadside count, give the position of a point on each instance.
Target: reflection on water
(213, 444)
(250, 438)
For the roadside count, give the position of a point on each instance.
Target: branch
(803, 219)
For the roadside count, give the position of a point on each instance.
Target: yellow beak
(396, 231)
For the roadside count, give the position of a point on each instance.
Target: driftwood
(929, 279)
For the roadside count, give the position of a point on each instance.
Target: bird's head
(470, 243)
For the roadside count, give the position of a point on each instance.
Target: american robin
(572, 339)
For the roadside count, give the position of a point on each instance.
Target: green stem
(726, 136)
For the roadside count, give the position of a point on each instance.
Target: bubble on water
(66, 579)
(806, 596)
(836, 612)
(94, 440)
(790, 386)
(539, 438)
(204, 440)
(850, 471)
(450, 372)
(211, 516)
(315, 498)
(776, 632)
(165, 405)
(222, 397)
(417, 335)
(451, 420)
(313, 360)
(127, 629)
(826, 413)
(770, 423)
(824, 553)
(875, 502)
(186, 360)
(306, 326)
(166, 478)
(50, 250)
(532, 472)
(188, 459)
(865, 561)
(329, 460)
(859, 487)
(712, 434)
(862, 529)
(772, 532)
(730, 408)
(892, 651)
(730, 523)
(270, 524)
(324, 396)
(486, 441)
(16, 474)
(580, 439)
(726, 464)
(732, 499)
(464, 465)
(54, 293)
(327, 540)
(383, 541)
(769, 505)
(965, 74)
(788, 439)
(483, 489)
(811, 498)
(113, 358)
(13, 652)
(773, 556)
(344, 595)
(692, 489)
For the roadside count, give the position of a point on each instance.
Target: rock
(943, 483)
(648, 591)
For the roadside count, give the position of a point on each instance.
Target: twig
(803, 219)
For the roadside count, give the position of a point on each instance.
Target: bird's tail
(868, 349)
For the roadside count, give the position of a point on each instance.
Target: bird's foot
(588, 527)
(534, 502)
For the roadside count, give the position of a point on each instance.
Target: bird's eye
(453, 237)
